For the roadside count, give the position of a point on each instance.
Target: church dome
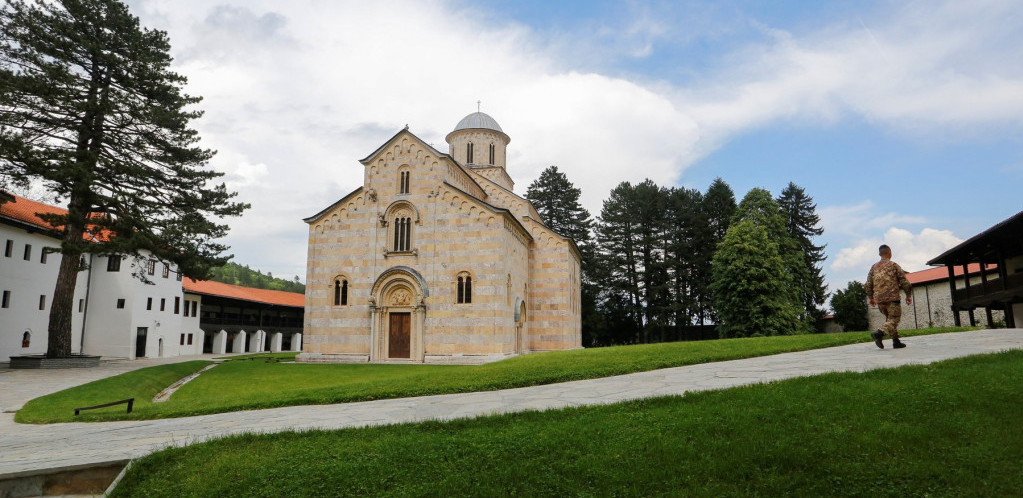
(478, 120)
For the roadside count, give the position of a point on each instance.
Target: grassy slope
(238, 385)
(947, 429)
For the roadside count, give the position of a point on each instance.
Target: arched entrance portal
(398, 315)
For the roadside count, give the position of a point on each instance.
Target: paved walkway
(26, 448)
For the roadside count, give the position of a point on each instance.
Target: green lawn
(946, 429)
(256, 383)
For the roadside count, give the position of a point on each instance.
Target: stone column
(275, 342)
(296, 342)
(238, 346)
(220, 342)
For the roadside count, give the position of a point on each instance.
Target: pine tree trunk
(62, 306)
(59, 345)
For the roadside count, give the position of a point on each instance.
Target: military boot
(877, 336)
(896, 343)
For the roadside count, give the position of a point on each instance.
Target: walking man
(884, 282)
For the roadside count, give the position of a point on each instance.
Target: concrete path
(26, 448)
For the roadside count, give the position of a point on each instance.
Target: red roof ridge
(941, 273)
(267, 296)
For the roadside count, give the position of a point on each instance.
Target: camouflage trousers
(892, 311)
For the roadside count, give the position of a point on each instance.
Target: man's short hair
(884, 249)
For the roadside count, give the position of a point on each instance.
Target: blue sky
(901, 119)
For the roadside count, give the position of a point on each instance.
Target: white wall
(25, 281)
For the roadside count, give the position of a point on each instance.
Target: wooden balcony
(991, 294)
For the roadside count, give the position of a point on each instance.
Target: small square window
(177, 305)
(189, 339)
(28, 252)
(120, 303)
(163, 304)
(149, 304)
(151, 267)
(195, 305)
(182, 342)
(179, 276)
(113, 263)
(166, 270)
(9, 248)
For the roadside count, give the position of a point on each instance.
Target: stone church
(435, 259)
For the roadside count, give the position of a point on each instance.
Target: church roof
(478, 120)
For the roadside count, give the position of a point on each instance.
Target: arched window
(468, 153)
(403, 182)
(464, 293)
(402, 234)
(341, 292)
(26, 339)
(491, 153)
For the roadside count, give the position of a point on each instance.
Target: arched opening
(399, 315)
(26, 339)
(463, 291)
(340, 291)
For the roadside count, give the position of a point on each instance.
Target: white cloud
(296, 92)
(862, 218)
(911, 251)
(917, 72)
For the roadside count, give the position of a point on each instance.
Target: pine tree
(718, 208)
(557, 201)
(90, 109)
(850, 306)
(618, 261)
(684, 258)
(802, 224)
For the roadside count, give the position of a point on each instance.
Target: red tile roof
(211, 288)
(28, 211)
(941, 273)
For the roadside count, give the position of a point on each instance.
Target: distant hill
(233, 273)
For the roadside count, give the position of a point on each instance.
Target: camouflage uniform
(884, 282)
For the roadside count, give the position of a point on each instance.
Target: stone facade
(434, 260)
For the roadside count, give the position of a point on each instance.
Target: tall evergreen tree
(618, 260)
(718, 208)
(684, 258)
(90, 109)
(803, 224)
(557, 201)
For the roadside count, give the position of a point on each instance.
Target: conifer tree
(90, 109)
(618, 260)
(557, 201)
(718, 208)
(803, 224)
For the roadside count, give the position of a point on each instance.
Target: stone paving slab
(25, 448)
